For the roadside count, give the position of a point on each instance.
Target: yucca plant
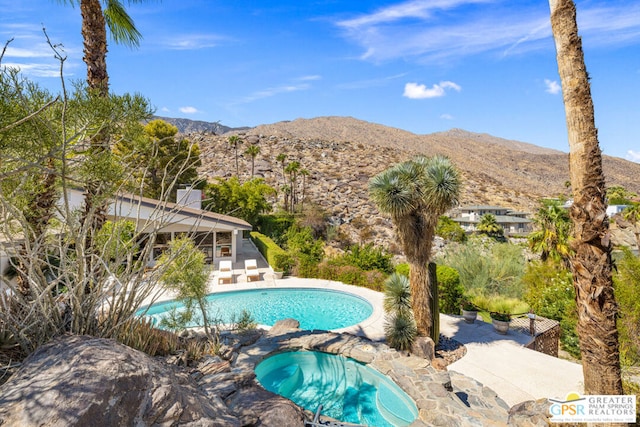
(400, 328)
(397, 294)
(400, 331)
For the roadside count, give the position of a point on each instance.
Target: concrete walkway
(502, 363)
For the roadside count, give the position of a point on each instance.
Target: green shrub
(369, 257)
(550, 293)
(301, 241)
(450, 291)
(306, 266)
(375, 279)
(351, 275)
(487, 267)
(499, 304)
(450, 230)
(627, 289)
(275, 226)
(245, 322)
(277, 257)
(403, 269)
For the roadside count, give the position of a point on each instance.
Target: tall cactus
(435, 302)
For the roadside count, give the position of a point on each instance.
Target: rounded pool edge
(371, 328)
(287, 374)
(330, 308)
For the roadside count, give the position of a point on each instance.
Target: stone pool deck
(443, 398)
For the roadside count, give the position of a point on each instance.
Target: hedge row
(352, 275)
(277, 257)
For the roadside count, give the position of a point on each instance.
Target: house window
(223, 244)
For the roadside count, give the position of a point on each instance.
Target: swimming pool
(349, 391)
(313, 308)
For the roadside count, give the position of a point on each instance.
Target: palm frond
(121, 26)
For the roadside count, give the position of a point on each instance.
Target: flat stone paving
(442, 398)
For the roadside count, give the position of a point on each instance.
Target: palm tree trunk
(237, 168)
(94, 33)
(591, 264)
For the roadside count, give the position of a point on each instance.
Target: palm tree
(489, 225)
(305, 174)
(95, 21)
(252, 151)
(591, 262)
(415, 193)
(551, 238)
(292, 169)
(234, 141)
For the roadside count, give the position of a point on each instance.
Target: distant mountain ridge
(186, 126)
(342, 154)
(516, 170)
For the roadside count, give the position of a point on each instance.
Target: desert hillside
(343, 153)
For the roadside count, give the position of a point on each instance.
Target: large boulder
(257, 406)
(86, 381)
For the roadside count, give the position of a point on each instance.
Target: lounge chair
(251, 269)
(225, 272)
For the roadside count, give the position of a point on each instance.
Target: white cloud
(446, 116)
(299, 84)
(165, 110)
(408, 9)
(36, 70)
(634, 156)
(189, 110)
(363, 84)
(441, 30)
(194, 41)
(417, 91)
(309, 78)
(552, 87)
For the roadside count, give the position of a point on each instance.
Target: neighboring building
(615, 209)
(611, 209)
(218, 236)
(512, 222)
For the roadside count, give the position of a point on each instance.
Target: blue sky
(425, 66)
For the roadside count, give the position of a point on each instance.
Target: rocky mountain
(343, 153)
(186, 126)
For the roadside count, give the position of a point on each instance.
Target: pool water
(313, 308)
(349, 391)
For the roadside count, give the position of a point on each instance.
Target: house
(615, 209)
(512, 222)
(218, 236)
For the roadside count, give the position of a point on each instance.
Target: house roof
(164, 216)
(500, 219)
(483, 208)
